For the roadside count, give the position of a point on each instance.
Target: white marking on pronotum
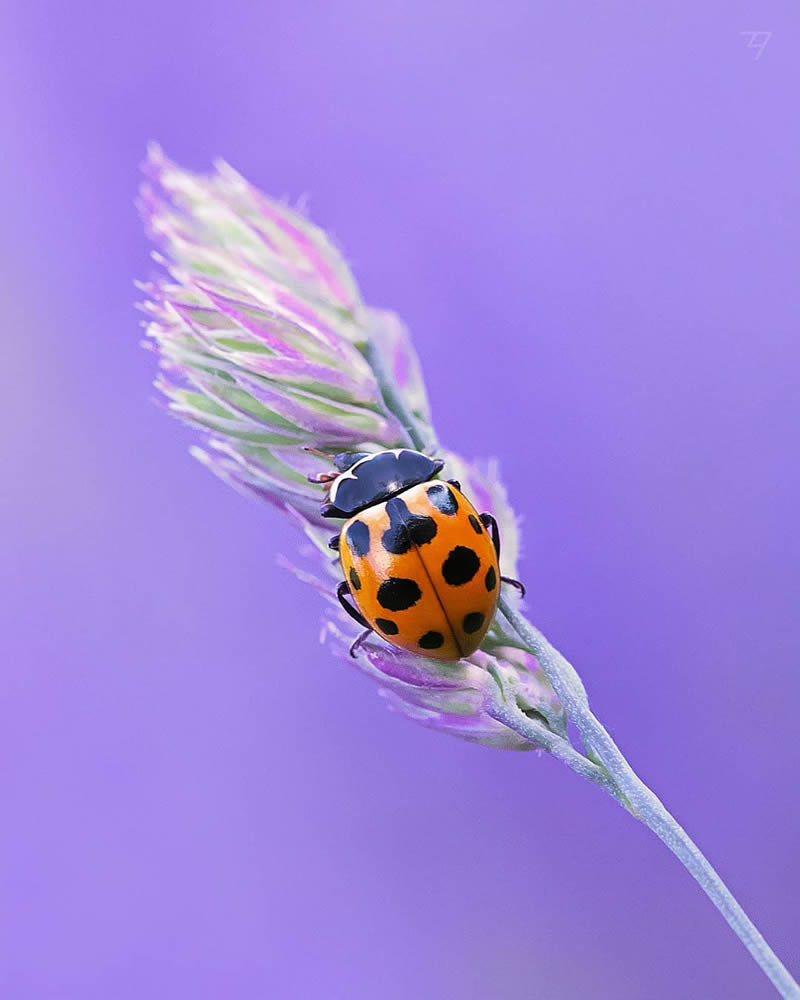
(347, 474)
(351, 474)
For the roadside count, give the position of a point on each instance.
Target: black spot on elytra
(431, 640)
(477, 527)
(387, 626)
(460, 566)
(358, 538)
(442, 498)
(491, 578)
(472, 622)
(406, 529)
(355, 579)
(397, 593)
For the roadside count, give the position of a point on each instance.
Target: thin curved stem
(647, 807)
(615, 775)
(503, 707)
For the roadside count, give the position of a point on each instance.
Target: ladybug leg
(343, 589)
(456, 483)
(357, 644)
(514, 583)
(491, 526)
(334, 543)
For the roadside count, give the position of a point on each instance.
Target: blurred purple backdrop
(589, 216)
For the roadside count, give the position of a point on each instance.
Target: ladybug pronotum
(419, 562)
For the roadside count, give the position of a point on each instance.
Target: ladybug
(419, 562)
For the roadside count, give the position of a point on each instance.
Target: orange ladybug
(419, 562)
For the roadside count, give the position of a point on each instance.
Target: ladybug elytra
(419, 562)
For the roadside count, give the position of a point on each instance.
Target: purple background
(589, 216)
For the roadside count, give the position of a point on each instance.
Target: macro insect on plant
(266, 347)
(416, 556)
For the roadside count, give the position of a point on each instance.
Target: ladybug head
(367, 478)
(346, 459)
